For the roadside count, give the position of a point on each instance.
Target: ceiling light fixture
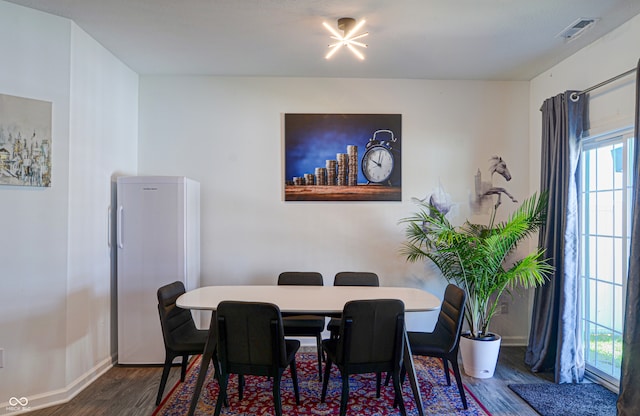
(349, 27)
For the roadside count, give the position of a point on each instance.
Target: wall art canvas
(342, 157)
(25, 141)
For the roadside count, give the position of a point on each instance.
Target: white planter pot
(479, 356)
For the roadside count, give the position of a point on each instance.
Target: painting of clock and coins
(25, 141)
(342, 157)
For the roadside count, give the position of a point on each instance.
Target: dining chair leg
(344, 397)
(222, 393)
(216, 367)
(398, 400)
(216, 375)
(240, 386)
(378, 383)
(294, 378)
(401, 375)
(277, 401)
(319, 348)
(456, 373)
(183, 367)
(165, 374)
(445, 364)
(327, 372)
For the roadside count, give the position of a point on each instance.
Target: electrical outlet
(1, 357)
(504, 308)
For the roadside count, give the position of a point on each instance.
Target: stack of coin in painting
(297, 180)
(309, 179)
(343, 167)
(331, 172)
(321, 176)
(352, 179)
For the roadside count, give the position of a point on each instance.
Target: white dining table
(316, 300)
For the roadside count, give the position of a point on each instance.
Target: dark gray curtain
(554, 340)
(629, 398)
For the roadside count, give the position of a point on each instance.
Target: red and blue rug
(438, 398)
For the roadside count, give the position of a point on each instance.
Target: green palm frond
(473, 256)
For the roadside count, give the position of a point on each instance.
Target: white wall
(227, 134)
(33, 247)
(103, 145)
(55, 284)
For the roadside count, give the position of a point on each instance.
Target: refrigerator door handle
(119, 223)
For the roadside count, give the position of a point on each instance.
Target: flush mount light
(349, 27)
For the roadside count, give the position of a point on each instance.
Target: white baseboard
(60, 396)
(514, 341)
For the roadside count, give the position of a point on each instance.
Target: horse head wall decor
(485, 190)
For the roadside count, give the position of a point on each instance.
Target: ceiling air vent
(577, 28)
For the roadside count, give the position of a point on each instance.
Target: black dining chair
(304, 325)
(354, 279)
(443, 342)
(350, 279)
(251, 342)
(371, 340)
(181, 337)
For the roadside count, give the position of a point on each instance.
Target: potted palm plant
(477, 258)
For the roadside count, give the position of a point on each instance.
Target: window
(606, 183)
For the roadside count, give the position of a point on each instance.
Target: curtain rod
(576, 95)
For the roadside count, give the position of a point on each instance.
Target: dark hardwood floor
(494, 392)
(131, 391)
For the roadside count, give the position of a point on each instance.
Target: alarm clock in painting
(378, 160)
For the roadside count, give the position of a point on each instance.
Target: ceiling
(414, 39)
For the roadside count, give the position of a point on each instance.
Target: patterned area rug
(586, 399)
(438, 398)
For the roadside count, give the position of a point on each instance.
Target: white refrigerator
(158, 242)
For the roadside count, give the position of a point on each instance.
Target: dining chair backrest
(443, 341)
(304, 325)
(451, 316)
(356, 279)
(350, 279)
(371, 332)
(175, 321)
(371, 340)
(301, 278)
(251, 341)
(250, 334)
(179, 333)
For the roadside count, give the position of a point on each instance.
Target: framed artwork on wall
(25, 141)
(342, 157)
